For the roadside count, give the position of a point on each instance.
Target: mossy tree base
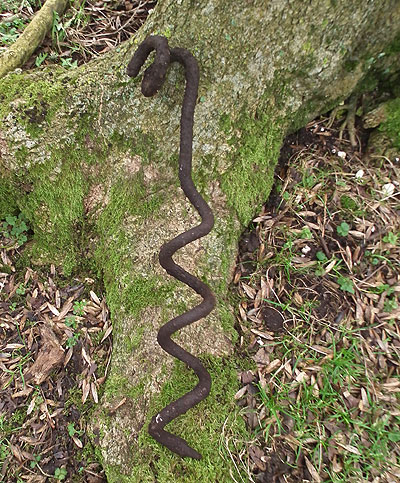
(93, 165)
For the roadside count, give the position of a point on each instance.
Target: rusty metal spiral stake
(153, 79)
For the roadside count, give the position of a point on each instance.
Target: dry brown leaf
(31, 406)
(350, 448)
(51, 355)
(261, 334)
(242, 313)
(68, 356)
(94, 392)
(77, 441)
(330, 266)
(118, 405)
(313, 472)
(258, 299)
(85, 356)
(95, 298)
(242, 391)
(66, 308)
(272, 366)
(106, 334)
(17, 452)
(250, 292)
(261, 357)
(53, 309)
(256, 454)
(25, 392)
(336, 465)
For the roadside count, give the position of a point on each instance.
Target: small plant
(391, 238)
(79, 307)
(58, 33)
(4, 450)
(10, 31)
(15, 229)
(377, 258)
(71, 341)
(383, 287)
(60, 474)
(40, 59)
(35, 461)
(69, 63)
(13, 306)
(306, 234)
(349, 203)
(21, 289)
(309, 179)
(343, 229)
(70, 321)
(390, 304)
(321, 257)
(72, 431)
(345, 284)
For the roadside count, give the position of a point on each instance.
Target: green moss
(249, 180)
(225, 123)
(137, 293)
(391, 126)
(394, 47)
(34, 100)
(54, 209)
(117, 385)
(145, 292)
(133, 341)
(74, 399)
(207, 427)
(127, 198)
(8, 204)
(140, 144)
(227, 321)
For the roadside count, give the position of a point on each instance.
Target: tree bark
(93, 165)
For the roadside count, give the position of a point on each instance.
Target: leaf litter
(318, 280)
(55, 349)
(87, 29)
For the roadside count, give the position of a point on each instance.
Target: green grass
(8, 426)
(309, 409)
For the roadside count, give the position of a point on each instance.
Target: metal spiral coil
(153, 79)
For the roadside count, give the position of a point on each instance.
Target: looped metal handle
(154, 75)
(153, 79)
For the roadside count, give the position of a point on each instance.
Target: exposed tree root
(31, 38)
(349, 122)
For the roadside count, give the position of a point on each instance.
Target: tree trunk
(93, 166)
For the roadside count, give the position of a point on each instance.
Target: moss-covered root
(32, 37)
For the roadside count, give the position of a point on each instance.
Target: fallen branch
(31, 38)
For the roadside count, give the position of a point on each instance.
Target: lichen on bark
(93, 165)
